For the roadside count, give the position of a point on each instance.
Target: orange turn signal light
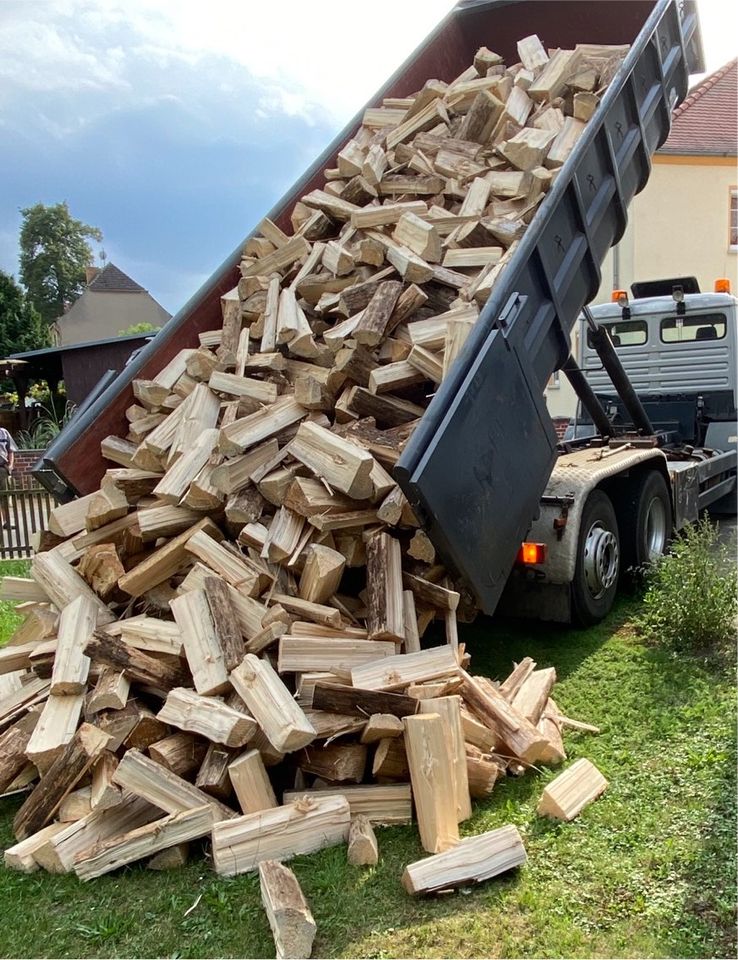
(532, 553)
(722, 285)
(619, 296)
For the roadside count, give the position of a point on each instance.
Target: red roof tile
(707, 122)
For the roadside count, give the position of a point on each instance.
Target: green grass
(646, 871)
(9, 620)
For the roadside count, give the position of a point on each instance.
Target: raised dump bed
(488, 419)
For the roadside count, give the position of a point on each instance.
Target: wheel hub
(655, 528)
(601, 559)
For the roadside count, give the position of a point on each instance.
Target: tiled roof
(112, 280)
(706, 123)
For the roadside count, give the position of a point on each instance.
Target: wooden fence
(25, 507)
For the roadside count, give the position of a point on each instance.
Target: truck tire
(646, 524)
(597, 569)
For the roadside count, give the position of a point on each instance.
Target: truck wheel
(647, 525)
(598, 561)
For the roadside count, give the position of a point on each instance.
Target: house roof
(111, 279)
(49, 351)
(706, 122)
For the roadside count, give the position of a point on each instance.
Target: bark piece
(384, 585)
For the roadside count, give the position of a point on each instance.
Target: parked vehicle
(481, 469)
(613, 506)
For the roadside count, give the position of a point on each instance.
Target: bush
(691, 598)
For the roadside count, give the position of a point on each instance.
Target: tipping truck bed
(489, 416)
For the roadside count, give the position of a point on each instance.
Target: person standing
(7, 456)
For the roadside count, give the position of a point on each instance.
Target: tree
(21, 326)
(143, 327)
(53, 255)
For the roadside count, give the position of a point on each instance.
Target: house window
(734, 219)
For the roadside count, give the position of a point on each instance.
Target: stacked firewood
(237, 614)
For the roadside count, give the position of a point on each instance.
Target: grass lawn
(647, 871)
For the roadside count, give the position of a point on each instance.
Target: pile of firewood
(235, 618)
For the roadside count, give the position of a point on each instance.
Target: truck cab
(613, 502)
(679, 352)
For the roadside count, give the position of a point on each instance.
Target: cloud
(302, 55)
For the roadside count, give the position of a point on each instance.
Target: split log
(62, 584)
(361, 702)
(482, 774)
(432, 778)
(566, 796)
(302, 654)
(55, 729)
(449, 709)
(164, 562)
(533, 693)
(75, 805)
(472, 860)
(208, 717)
(143, 842)
(382, 804)
(59, 780)
(20, 856)
(144, 778)
(180, 752)
(362, 843)
(271, 703)
(292, 924)
(343, 465)
(337, 762)
(398, 671)
(390, 760)
(71, 666)
(519, 734)
(381, 726)
(170, 859)
(160, 674)
(307, 825)
(251, 783)
(212, 777)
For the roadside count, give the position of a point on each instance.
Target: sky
(175, 125)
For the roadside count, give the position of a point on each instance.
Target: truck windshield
(707, 326)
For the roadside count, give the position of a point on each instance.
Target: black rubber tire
(634, 520)
(586, 608)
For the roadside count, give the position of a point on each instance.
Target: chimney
(90, 274)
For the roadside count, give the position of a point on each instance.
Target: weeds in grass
(691, 597)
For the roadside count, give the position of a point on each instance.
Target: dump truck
(483, 470)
